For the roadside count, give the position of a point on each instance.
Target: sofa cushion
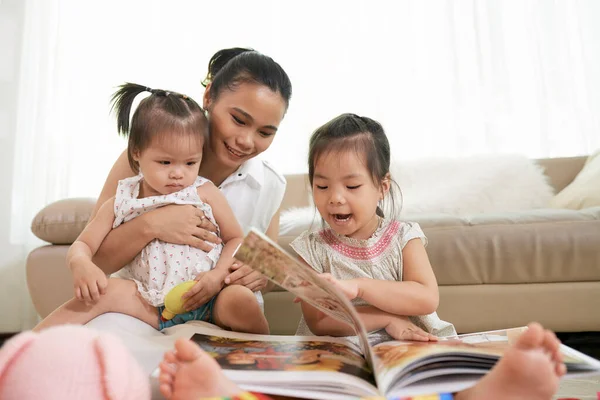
(537, 246)
(62, 221)
(584, 191)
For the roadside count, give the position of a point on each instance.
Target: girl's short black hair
(363, 135)
(163, 112)
(229, 67)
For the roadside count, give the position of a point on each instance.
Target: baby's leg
(121, 296)
(237, 308)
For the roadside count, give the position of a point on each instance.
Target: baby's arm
(416, 294)
(89, 280)
(211, 282)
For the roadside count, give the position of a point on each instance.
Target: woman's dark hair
(230, 67)
(366, 137)
(162, 112)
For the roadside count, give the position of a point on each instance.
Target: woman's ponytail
(230, 67)
(218, 61)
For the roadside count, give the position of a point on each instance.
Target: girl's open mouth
(341, 217)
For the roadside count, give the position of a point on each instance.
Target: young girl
(379, 262)
(166, 138)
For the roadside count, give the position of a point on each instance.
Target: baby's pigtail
(122, 100)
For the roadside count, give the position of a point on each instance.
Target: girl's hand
(401, 328)
(183, 224)
(89, 282)
(244, 275)
(348, 287)
(208, 284)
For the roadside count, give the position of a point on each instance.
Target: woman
(247, 95)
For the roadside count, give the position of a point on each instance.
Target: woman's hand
(242, 274)
(348, 287)
(401, 328)
(183, 224)
(208, 284)
(89, 281)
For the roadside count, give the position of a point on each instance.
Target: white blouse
(254, 192)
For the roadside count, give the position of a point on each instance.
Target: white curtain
(446, 78)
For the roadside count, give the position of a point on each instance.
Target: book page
(299, 366)
(262, 254)
(301, 362)
(401, 364)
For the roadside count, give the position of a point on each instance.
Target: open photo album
(336, 368)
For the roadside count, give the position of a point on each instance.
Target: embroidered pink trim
(361, 253)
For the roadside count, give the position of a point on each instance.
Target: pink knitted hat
(70, 362)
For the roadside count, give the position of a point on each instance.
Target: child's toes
(166, 390)
(167, 369)
(188, 351)
(561, 369)
(170, 357)
(551, 342)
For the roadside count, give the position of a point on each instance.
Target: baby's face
(170, 163)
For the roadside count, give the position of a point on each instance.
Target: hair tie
(149, 90)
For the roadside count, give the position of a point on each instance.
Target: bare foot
(529, 370)
(190, 374)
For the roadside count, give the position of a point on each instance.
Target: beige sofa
(494, 271)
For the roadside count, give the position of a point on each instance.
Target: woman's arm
(417, 294)
(211, 282)
(273, 233)
(230, 229)
(242, 274)
(122, 244)
(178, 224)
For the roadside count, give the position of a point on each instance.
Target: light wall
(12, 269)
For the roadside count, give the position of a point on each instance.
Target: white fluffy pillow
(463, 186)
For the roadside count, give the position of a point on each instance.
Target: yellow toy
(173, 301)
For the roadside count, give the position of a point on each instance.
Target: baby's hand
(89, 281)
(348, 287)
(208, 284)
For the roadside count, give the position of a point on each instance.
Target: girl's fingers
(85, 293)
(193, 290)
(78, 293)
(93, 289)
(102, 287)
(194, 302)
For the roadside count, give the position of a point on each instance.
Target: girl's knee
(235, 294)
(236, 300)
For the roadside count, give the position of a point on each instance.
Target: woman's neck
(211, 169)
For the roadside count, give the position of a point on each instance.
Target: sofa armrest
(62, 221)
